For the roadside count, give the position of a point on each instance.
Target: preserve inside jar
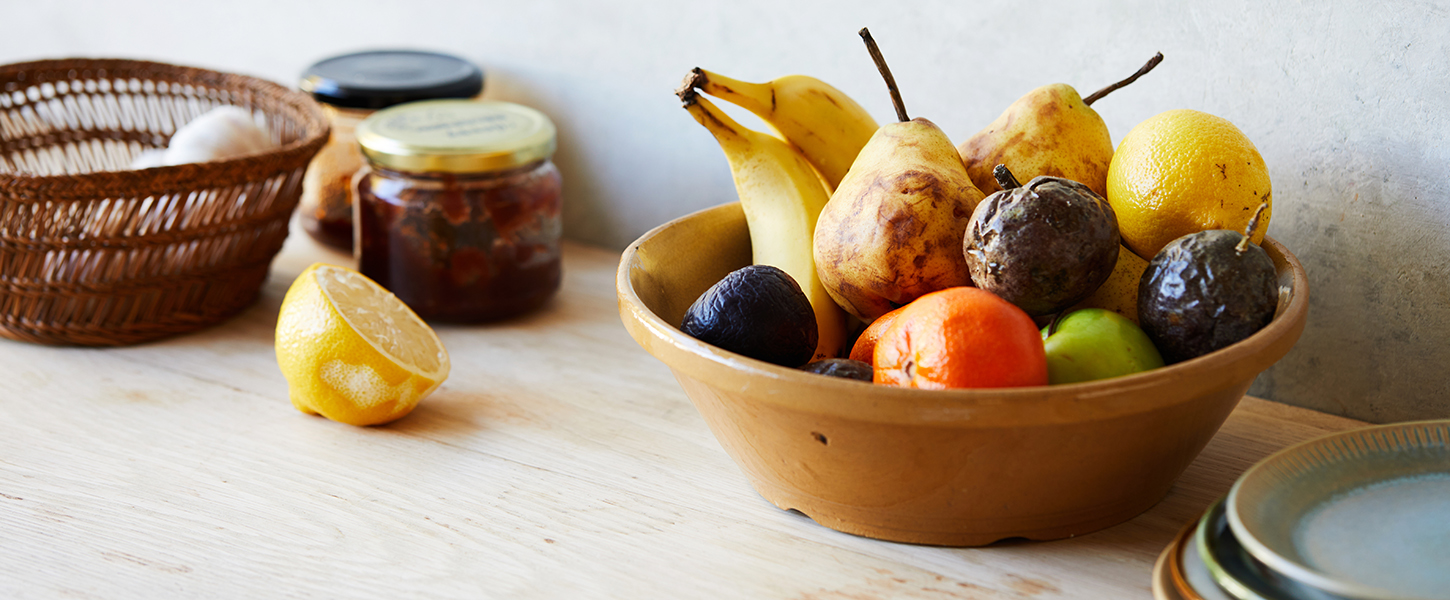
(350, 88)
(459, 209)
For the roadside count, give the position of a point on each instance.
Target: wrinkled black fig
(758, 311)
(1205, 291)
(1044, 246)
(844, 368)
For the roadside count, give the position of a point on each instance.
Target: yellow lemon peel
(353, 352)
(1185, 171)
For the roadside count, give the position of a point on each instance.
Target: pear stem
(1152, 62)
(1253, 226)
(1005, 178)
(885, 74)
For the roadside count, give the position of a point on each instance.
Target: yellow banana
(782, 196)
(826, 125)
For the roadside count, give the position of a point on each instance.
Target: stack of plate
(1357, 515)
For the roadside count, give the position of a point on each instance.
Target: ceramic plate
(1163, 587)
(1220, 563)
(1194, 573)
(1182, 572)
(1362, 514)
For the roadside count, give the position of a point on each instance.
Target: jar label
(471, 127)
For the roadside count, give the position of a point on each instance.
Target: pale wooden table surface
(559, 460)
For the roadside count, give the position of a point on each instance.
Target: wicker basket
(94, 254)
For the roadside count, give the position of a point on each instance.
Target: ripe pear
(892, 231)
(1051, 131)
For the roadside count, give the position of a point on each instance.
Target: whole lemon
(1185, 171)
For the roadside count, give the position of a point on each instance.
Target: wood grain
(558, 460)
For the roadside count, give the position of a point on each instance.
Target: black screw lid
(381, 78)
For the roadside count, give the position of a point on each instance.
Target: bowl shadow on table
(957, 467)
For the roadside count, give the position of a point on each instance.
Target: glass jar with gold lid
(458, 210)
(351, 87)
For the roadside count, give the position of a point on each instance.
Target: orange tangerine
(864, 349)
(960, 337)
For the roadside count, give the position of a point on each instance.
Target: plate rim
(1225, 580)
(1174, 568)
(1292, 568)
(1164, 587)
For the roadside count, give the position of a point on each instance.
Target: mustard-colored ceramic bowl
(958, 467)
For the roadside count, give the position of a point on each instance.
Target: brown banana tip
(686, 91)
(688, 98)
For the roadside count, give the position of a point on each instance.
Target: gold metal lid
(456, 136)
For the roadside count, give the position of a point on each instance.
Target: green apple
(1093, 343)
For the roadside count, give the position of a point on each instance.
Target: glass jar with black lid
(351, 87)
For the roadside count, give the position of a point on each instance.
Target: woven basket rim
(20, 187)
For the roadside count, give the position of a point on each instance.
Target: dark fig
(1044, 246)
(758, 311)
(841, 367)
(1205, 291)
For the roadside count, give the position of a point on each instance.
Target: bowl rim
(1108, 398)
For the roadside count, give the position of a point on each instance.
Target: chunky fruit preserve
(468, 227)
(463, 248)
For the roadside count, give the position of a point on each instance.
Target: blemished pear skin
(893, 229)
(1051, 131)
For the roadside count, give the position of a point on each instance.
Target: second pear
(1052, 131)
(893, 229)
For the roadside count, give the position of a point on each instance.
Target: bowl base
(965, 533)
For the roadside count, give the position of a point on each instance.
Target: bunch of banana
(782, 196)
(825, 124)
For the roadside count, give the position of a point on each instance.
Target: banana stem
(695, 79)
(1098, 95)
(885, 74)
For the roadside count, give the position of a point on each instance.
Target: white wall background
(1347, 101)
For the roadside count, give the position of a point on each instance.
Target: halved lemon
(352, 351)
